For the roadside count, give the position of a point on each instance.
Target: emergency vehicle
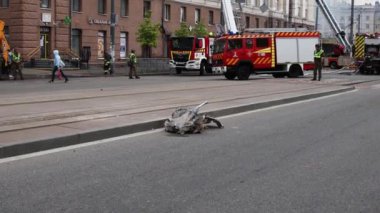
(4, 46)
(190, 53)
(278, 53)
(367, 53)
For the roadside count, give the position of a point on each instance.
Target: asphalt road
(315, 156)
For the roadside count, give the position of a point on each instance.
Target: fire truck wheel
(230, 75)
(178, 71)
(295, 71)
(243, 72)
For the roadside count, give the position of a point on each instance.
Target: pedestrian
(58, 64)
(318, 54)
(107, 64)
(16, 65)
(132, 61)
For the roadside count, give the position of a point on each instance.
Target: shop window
(101, 43)
(124, 7)
(211, 17)
(76, 5)
(76, 40)
(167, 12)
(45, 4)
(182, 14)
(102, 6)
(4, 3)
(147, 8)
(123, 44)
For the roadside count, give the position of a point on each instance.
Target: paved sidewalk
(33, 122)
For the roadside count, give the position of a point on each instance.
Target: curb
(46, 144)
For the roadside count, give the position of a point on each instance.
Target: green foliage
(183, 31)
(200, 30)
(148, 32)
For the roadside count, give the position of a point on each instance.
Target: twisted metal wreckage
(187, 120)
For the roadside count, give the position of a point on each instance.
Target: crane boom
(339, 33)
(229, 16)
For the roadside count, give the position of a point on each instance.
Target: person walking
(318, 54)
(107, 66)
(58, 64)
(132, 61)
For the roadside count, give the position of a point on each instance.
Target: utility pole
(316, 18)
(112, 30)
(352, 22)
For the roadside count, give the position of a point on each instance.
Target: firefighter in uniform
(318, 54)
(16, 65)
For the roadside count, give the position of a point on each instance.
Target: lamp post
(352, 22)
(112, 30)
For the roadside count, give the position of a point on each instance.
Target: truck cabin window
(262, 42)
(182, 43)
(234, 44)
(218, 46)
(249, 43)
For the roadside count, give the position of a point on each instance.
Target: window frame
(79, 5)
(211, 17)
(182, 14)
(167, 12)
(197, 15)
(4, 3)
(43, 2)
(147, 10)
(124, 12)
(101, 36)
(102, 7)
(77, 33)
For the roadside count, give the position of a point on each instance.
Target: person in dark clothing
(318, 54)
(132, 61)
(107, 64)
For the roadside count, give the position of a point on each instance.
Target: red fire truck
(191, 53)
(278, 53)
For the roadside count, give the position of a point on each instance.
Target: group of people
(12, 64)
(59, 64)
(131, 62)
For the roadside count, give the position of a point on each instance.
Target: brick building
(36, 27)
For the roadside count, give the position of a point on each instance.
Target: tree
(183, 30)
(200, 30)
(147, 35)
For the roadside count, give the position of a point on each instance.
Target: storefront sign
(98, 21)
(46, 17)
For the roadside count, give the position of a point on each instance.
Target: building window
(367, 18)
(197, 15)
(102, 6)
(182, 14)
(123, 44)
(257, 3)
(45, 4)
(257, 22)
(167, 12)
(247, 22)
(76, 5)
(101, 43)
(147, 8)
(124, 7)
(211, 17)
(367, 26)
(4, 3)
(76, 40)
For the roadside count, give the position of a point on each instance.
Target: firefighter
(107, 66)
(318, 54)
(16, 66)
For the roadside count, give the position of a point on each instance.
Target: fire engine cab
(282, 53)
(191, 53)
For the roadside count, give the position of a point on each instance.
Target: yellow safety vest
(318, 54)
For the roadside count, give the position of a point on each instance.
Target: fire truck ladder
(239, 17)
(339, 33)
(229, 18)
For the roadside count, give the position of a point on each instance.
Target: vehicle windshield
(219, 46)
(182, 43)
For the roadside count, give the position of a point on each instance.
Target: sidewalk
(75, 118)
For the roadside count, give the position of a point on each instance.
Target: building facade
(79, 28)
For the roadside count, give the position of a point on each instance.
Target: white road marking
(109, 140)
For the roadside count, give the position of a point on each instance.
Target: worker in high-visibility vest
(16, 66)
(318, 54)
